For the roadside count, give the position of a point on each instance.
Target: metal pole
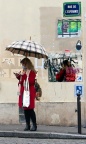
(79, 113)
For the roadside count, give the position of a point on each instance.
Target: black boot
(34, 127)
(27, 128)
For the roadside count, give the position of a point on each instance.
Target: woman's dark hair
(65, 62)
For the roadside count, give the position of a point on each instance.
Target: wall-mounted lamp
(78, 45)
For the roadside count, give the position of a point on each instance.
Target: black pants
(30, 114)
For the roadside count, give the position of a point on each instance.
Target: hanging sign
(71, 9)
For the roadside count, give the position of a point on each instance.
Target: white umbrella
(27, 48)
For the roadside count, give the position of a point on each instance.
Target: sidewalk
(42, 132)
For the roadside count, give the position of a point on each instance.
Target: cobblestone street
(39, 141)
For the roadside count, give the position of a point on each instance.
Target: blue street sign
(71, 9)
(78, 89)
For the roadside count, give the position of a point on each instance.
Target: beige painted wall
(20, 19)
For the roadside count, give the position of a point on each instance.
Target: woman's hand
(17, 74)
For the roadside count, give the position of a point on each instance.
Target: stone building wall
(38, 19)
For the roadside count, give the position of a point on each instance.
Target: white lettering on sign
(69, 6)
(74, 6)
(71, 11)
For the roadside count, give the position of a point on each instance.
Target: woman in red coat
(29, 112)
(61, 75)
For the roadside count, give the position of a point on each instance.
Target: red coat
(61, 75)
(32, 90)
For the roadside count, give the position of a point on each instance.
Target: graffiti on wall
(10, 65)
(8, 61)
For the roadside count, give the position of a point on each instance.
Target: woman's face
(24, 67)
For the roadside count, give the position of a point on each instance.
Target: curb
(41, 135)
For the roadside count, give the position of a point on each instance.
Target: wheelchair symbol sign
(78, 90)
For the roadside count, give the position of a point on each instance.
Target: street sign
(78, 89)
(71, 9)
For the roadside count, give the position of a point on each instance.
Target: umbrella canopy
(27, 48)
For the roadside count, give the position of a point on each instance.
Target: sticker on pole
(78, 89)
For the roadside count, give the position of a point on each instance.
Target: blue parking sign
(78, 90)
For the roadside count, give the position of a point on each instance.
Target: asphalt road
(4, 140)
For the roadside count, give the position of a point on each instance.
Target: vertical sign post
(79, 112)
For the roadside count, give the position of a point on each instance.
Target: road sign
(71, 9)
(78, 89)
